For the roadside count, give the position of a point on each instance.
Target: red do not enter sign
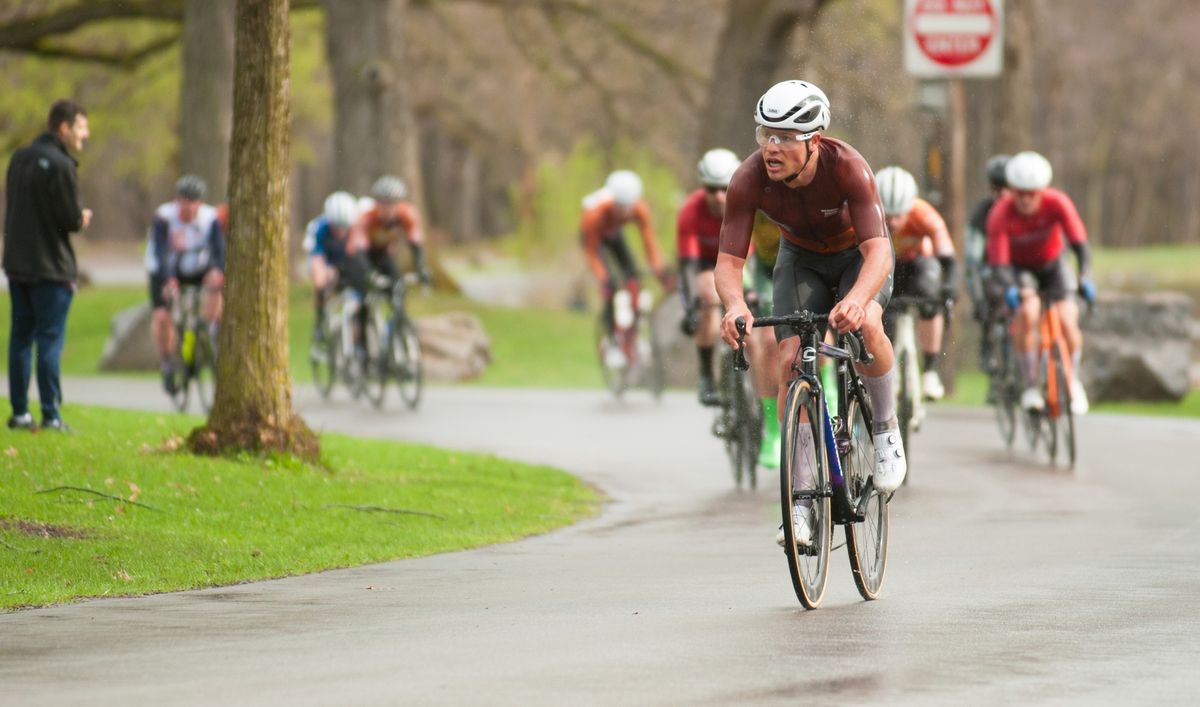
(954, 32)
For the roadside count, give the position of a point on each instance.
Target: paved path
(1009, 583)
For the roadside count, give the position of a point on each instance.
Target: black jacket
(42, 210)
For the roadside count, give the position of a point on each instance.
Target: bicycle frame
(1052, 336)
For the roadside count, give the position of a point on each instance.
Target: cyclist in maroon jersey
(835, 255)
(697, 238)
(1026, 252)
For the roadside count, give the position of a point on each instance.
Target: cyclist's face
(188, 208)
(714, 197)
(1027, 201)
(784, 155)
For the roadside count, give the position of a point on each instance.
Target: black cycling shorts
(618, 261)
(157, 282)
(805, 279)
(1053, 281)
(920, 278)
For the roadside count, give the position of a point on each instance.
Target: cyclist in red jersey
(698, 238)
(606, 212)
(925, 265)
(1025, 249)
(380, 228)
(835, 255)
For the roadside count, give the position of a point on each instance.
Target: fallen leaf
(109, 481)
(120, 509)
(12, 452)
(124, 576)
(136, 491)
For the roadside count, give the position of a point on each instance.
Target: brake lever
(739, 356)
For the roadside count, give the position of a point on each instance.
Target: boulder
(1138, 347)
(129, 346)
(454, 346)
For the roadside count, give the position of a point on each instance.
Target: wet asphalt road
(1009, 582)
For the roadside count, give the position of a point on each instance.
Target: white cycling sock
(1076, 356)
(883, 399)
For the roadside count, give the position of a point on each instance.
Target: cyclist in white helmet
(821, 193)
(1027, 254)
(327, 242)
(606, 212)
(697, 238)
(389, 220)
(925, 265)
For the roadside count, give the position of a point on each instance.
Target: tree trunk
(375, 126)
(206, 115)
(252, 409)
(754, 45)
(1017, 88)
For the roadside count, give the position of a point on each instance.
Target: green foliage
(550, 225)
(207, 521)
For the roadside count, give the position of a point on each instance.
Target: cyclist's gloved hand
(1087, 290)
(691, 321)
(1012, 297)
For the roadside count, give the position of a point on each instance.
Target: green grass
(1149, 267)
(223, 521)
(1188, 407)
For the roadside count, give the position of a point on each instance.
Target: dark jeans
(39, 315)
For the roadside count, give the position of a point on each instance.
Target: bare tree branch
(98, 493)
(119, 60)
(623, 32)
(382, 509)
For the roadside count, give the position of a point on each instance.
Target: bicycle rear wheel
(904, 403)
(866, 540)
(405, 360)
(808, 565)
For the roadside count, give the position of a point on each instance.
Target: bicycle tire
(614, 377)
(808, 566)
(866, 540)
(322, 357)
(752, 427)
(728, 420)
(203, 371)
(1060, 416)
(1005, 400)
(374, 371)
(404, 361)
(179, 381)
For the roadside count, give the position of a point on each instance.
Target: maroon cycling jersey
(697, 229)
(837, 211)
(1032, 241)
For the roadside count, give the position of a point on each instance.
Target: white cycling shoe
(1079, 399)
(890, 462)
(931, 386)
(614, 357)
(1031, 399)
(801, 529)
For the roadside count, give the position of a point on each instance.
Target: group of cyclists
(804, 223)
(352, 240)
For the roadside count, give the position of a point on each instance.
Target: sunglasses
(787, 138)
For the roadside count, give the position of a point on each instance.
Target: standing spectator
(42, 212)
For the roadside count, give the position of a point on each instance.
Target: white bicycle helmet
(625, 187)
(341, 209)
(793, 105)
(1028, 171)
(388, 189)
(716, 168)
(897, 190)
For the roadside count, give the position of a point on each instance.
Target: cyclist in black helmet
(975, 254)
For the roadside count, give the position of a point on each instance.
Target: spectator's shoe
(931, 386)
(24, 421)
(708, 392)
(57, 425)
(801, 528)
(1032, 400)
(890, 464)
(1079, 399)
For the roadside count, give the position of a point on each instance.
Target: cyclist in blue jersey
(331, 261)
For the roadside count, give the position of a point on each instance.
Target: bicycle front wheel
(1003, 391)
(808, 564)
(203, 370)
(904, 403)
(1060, 421)
(612, 359)
(405, 361)
(375, 367)
(322, 356)
(866, 540)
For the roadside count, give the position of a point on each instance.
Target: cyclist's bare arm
(741, 203)
(866, 215)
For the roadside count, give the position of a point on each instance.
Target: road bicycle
(842, 461)
(1055, 367)
(739, 420)
(393, 346)
(910, 399)
(630, 355)
(193, 365)
(335, 355)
